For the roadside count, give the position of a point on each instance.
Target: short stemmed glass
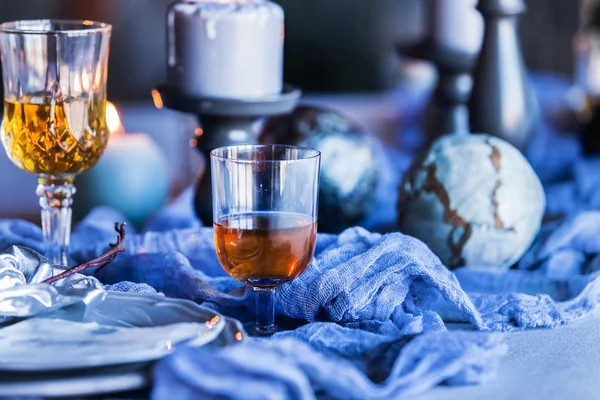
(54, 122)
(265, 200)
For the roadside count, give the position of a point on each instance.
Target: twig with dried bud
(99, 262)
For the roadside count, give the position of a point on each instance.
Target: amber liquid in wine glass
(38, 138)
(265, 249)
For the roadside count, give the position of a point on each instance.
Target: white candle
(456, 25)
(226, 49)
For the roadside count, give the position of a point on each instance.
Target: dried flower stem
(100, 262)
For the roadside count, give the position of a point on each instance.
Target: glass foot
(252, 329)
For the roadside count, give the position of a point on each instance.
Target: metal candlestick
(502, 102)
(225, 122)
(447, 110)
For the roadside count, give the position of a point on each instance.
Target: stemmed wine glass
(54, 122)
(265, 200)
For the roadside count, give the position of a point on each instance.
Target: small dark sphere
(349, 177)
(589, 127)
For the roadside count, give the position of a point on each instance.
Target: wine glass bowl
(38, 138)
(54, 122)
(265, 200)
(265, 249)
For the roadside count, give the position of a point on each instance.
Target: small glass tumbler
(265, 201)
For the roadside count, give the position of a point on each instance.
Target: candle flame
(157, 99)
(85, 82)
(113, 120)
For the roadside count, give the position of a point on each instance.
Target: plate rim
(145, 357)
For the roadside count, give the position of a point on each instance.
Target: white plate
(124, 328)
(99, 381)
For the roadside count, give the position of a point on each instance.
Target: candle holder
(447, 111)
(502, 102)
(225, 122)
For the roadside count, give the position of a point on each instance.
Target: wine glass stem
(265, 309)
(56, 196)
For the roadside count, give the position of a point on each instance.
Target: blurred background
(340, 52)
(333, 45)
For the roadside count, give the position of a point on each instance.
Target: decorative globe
(349, 157)
(474, 200)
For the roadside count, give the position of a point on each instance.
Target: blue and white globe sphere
(474, 200)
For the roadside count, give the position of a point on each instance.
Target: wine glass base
(252, 329)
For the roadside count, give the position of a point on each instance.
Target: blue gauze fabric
(364, 297)
(368, 319)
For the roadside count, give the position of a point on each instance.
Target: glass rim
(313, 153)
(74, 27)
